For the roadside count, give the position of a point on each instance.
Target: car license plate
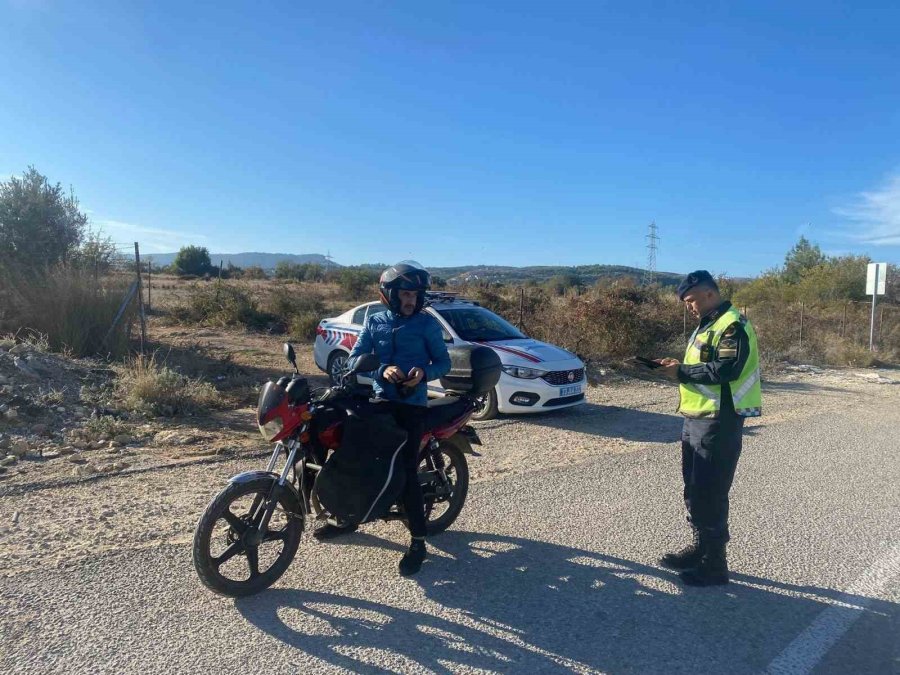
(570, 391)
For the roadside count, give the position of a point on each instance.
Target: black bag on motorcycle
(364, 476)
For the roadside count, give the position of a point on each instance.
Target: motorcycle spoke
(253, 561)
(236, 523)
(228, 553)
(275, 535)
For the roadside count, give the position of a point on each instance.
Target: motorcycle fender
(472, 436)
(248, 476)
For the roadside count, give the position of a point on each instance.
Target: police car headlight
(272, 428)
(524, 373)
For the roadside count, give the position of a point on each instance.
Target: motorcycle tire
(453, 449)
(206, 565)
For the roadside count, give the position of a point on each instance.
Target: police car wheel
(336, 364)
(488, 407)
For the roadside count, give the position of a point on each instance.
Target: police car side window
(359, 316)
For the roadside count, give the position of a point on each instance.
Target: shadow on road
(608, 421)
(603, 420)
(513, 604)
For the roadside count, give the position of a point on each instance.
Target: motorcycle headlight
(524, 373)
(271, 429)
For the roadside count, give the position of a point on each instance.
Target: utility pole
(652, 246)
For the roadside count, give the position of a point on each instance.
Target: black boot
(332, 530)
(712, 570)
(412, 561)
(687, 557)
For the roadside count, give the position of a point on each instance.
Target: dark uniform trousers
(411, 418)
(710, 449)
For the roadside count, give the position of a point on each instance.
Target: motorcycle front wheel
(227, 557)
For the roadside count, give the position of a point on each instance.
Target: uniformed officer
(719, 388)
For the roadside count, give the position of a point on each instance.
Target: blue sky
(466, 133)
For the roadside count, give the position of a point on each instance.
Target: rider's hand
(394, 374)
(415, 376)
(669, 370)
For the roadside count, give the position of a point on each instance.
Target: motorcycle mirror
(290, 355)
(363, 364)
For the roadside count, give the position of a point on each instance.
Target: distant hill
(588, 274)
(265, 260)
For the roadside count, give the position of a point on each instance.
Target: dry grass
(154, 389)
(71, 310)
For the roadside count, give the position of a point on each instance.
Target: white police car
(536, 376)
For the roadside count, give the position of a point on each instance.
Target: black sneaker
(330, 531)
(412, 560)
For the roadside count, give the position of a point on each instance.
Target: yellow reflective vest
(704, 400)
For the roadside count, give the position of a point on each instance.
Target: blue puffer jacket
(406, 343)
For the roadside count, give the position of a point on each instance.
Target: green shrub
(152, 389)
(303, 326)
(221, 304)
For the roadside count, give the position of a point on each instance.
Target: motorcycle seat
(443, 410)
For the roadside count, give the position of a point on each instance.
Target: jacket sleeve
(366, 345)
(731, 356)
(437, 349)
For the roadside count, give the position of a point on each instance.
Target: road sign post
(876, 284)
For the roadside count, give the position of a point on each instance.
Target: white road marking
(808, 648)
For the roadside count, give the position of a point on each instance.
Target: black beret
(695, 279)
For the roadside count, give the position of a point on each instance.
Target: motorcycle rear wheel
(234, 526)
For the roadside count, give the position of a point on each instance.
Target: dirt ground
(152, 494)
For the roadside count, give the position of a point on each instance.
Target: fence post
(140, 295)
(219, 280)
(801, 325)
(843, 320)
(149, 284)
(521, 306)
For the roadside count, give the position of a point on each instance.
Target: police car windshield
(479, 324)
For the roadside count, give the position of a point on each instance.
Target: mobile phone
(647, 363)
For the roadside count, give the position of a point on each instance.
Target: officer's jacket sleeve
(729, 361)
(437, 350)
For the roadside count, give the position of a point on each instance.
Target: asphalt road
(550, 571)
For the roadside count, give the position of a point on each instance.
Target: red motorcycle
(249, 534)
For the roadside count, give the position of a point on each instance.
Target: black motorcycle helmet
(407, 275)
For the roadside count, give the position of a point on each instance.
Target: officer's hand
(669, 370)
(415, 376)
(394, 374)
(667, 362)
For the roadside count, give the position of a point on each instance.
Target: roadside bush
(254, 272)
(150, 388)
(71, 307)
(298, 311)
(220, 305)
(357, 282)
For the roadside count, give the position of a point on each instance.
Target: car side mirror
(363, 364)
(290, 355)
